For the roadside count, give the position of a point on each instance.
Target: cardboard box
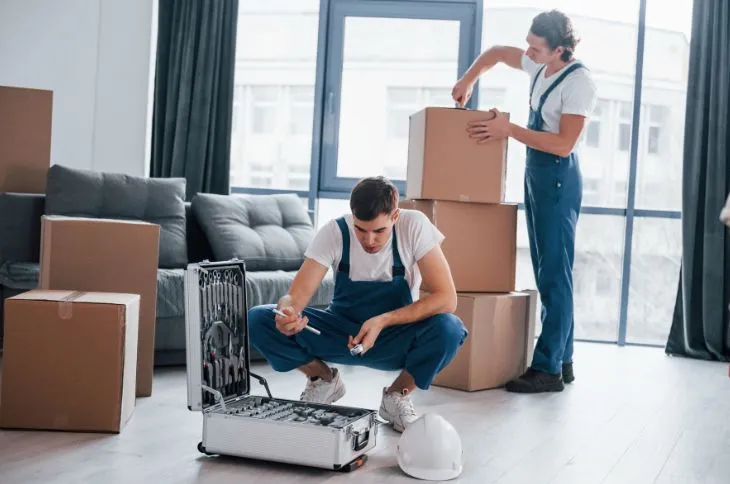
(500, 343)
(85, 254)
(480, 244)
(69, 361)
(25, 139)
(444, 163)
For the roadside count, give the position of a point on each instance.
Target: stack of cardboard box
(460, 186)
(77, 350)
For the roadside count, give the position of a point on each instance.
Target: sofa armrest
(20, 226)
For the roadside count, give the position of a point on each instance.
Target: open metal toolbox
(237, 423)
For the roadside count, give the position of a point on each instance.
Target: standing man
(562, 96)
(379, 255)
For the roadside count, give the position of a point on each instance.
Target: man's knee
(448, 330)
(260, 322)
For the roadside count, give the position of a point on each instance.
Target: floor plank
(634, 415)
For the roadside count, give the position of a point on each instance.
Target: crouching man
(380, 254)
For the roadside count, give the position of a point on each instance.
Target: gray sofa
(270, 232)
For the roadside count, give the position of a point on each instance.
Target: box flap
(77, 296)
(69, 218)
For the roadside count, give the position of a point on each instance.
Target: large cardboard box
(500, 343)
(444, 163)
(85, 254)
(69, 361)
(25, 139)
(480, 244)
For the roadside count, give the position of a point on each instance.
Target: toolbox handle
(360, 440)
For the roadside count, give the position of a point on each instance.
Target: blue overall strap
(398, 269)
(534, 81)
(344, 265)
(557, 81)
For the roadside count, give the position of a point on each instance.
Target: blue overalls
(553, 197)
(423, 348)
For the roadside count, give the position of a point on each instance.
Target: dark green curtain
(193, 94)
(700, 325)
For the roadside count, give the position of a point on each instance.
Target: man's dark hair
(373, 196)
(557, 30)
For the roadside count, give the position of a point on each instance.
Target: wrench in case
(237, 423)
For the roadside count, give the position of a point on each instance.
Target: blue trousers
(553, 197)
(423, 349)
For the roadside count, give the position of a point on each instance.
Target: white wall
(98, 59)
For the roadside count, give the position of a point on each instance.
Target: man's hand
(292, 324)
(461, 93)
(369, 332)
(484, 131)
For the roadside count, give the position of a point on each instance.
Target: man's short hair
(557, 30)
(373, 196)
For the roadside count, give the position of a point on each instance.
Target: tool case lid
(217, 349)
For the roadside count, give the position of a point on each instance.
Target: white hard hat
(430, 449)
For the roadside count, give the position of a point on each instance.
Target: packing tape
(65, 305)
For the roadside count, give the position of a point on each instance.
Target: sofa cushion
(84, 193)
(268, 232)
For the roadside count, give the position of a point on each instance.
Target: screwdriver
(307, 327)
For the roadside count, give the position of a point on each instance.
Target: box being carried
(237, 423)
(500, 343)
(69, 361)
(87, 254)
(444, 163)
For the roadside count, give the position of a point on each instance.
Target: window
(655, 262)
(624, 131)
(596, 275)
(393, 67)
(274, 81)
(401, 102)
(390, 68)
(492, 97)
(404, 101)
(604, 150)
(275, 138)
(593, 131)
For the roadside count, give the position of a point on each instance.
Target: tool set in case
(236, 423)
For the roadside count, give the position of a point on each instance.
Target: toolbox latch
(360, 439)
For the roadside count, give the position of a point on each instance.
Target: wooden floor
(634, 415)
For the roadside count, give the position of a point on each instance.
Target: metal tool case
(236, 423)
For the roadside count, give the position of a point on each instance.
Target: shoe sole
(549, 389)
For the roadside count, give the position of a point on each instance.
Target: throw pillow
(268, 232)
(84, 193)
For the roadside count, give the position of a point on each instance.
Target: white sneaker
(397, 409)
(321, 391)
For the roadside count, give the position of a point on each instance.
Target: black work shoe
(533, 381)
(568, 375)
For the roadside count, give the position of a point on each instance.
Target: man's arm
(560, 144)
(511, 56)
(304, 285)
(436, 274)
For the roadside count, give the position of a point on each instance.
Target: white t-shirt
(576, 94)
(416, 237)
